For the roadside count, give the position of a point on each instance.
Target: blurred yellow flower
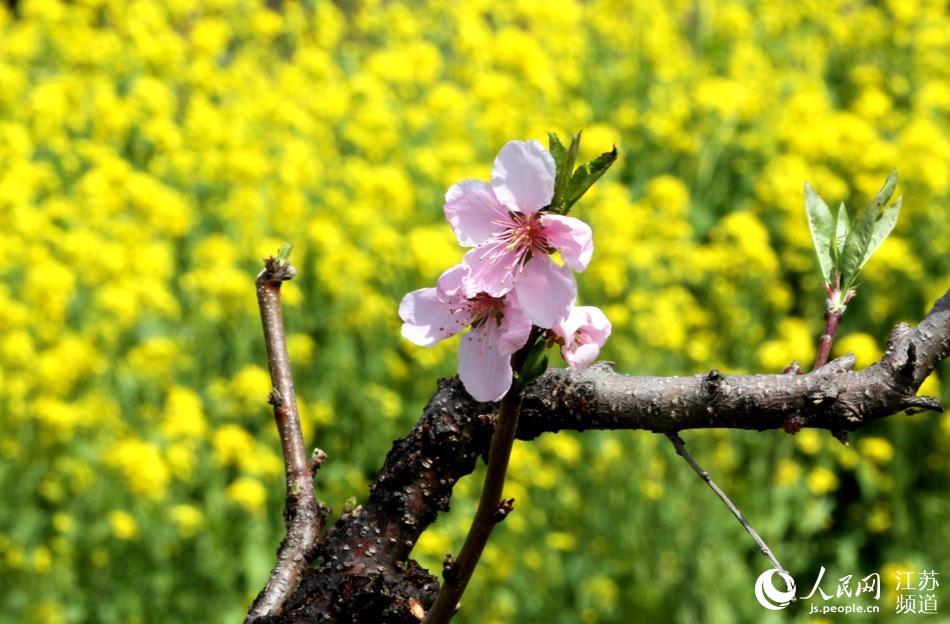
(301, 348)
(652, 489)
(249, 494)
(879, 520)
(796, 341)
(157, 358)
(930, 386)
(187, 518)
(183, 416)
(877, 449)
(232, 444)
(63, 522)
(434, 543)
(603, 590)
(863, 346)
(48, 612)
(565, 448)
(42, 560)
(822, 481)
(388, 402)
(123, 525)
(250, 388)
(848, 458)
(17, 347)
(560, 540)
(809, 441)
(142, 465)
(787, 472)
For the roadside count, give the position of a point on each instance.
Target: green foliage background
(152, 152)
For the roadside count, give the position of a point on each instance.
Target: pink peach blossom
(513, 237)
(582, 334)
(499, 328)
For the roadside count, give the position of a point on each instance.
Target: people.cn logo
(770, 597)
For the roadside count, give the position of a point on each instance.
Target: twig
(680, 447)
(832, 319)
(303, 515)
(491, 508)
(835, 307)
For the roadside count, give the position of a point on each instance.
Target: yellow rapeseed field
(151, 153)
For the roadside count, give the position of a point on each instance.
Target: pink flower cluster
(508, 281)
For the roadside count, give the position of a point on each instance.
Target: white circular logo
(770, 597)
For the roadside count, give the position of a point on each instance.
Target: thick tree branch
(303, 515)
(363, 571)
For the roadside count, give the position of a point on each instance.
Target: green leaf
(572, 154)
(564, 166)
(886, 192)
(586, 175)
(842, 225)
(867, 234)
(856, 245)
(283, 254)
(822, 230)
(882, 229)
(558, 152)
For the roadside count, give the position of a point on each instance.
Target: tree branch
(364, 572)
(835, 306)
(832, 320)
(491, 509)
(303, 515)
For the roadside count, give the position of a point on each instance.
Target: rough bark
(304, 516)
(361, 569)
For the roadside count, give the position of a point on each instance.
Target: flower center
(581, 337)
(483, 307)
(525, 233)
(521, 236)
